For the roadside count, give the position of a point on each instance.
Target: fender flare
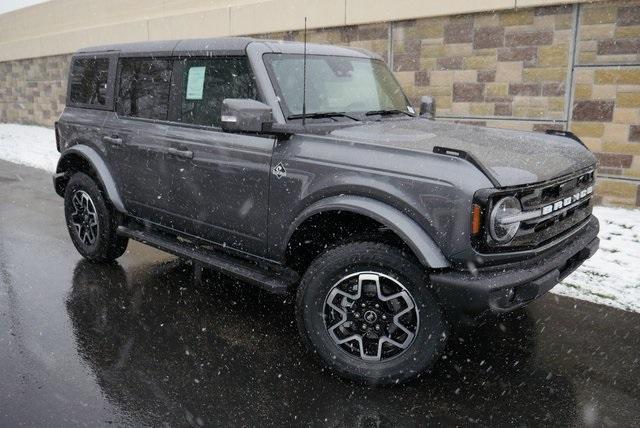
(99, 166)
(423, 246)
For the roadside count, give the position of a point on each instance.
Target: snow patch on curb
(611, 277)
(29, 145)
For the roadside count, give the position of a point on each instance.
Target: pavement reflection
(217, 352)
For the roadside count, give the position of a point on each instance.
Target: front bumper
(505, 287)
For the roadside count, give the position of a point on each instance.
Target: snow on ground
(611, 277)
(29, 145)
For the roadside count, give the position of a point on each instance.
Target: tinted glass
(207, 82)
(144, 88)
(89, 81)
(335, 84)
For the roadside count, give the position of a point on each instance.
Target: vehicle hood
(512, 157)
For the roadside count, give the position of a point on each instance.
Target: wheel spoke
(343, 314)
(77, 202)
(91, 234)
(91, 209)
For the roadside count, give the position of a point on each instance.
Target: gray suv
(312, 173)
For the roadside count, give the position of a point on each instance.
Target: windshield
(335, 84)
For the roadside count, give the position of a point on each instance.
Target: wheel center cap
(370, 317)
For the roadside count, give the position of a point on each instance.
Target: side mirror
(428, 107)
(245, 115)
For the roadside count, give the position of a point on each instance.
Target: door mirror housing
(428, 107)
(245, 115)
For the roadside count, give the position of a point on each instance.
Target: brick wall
(510, 65)
(33, 91)
(573, 67)
(606, 97)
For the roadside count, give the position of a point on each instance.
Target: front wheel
(367, 311)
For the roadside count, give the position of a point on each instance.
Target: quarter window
(207, 82)
(89, 81)
(144, 88)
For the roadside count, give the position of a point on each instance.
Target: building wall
(606, 94)
(33, 91)
(572, 66)
(62, 26)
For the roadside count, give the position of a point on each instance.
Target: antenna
(304, 75)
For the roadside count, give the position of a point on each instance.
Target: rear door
(137, 137)
(221, 180)
(89, 100)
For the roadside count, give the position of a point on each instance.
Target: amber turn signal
(476, 219)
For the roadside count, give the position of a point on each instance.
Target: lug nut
(356, 315)
(384, 317)
(377, 305)
(377, 327)
(363, 305)
(364, 326)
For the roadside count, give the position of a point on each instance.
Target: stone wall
(510, 65)
(606, 94)
(33, 91)
(573, 67)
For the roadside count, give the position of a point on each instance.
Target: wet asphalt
(145, 341)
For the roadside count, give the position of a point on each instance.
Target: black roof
(220, 46)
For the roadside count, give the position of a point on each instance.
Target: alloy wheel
(84, 217)
(371, 315)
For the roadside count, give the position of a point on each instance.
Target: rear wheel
(366, 310)
(91, 220)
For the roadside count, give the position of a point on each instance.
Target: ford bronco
(304, 168)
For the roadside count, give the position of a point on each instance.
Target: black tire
(389, 263)
(106, 245)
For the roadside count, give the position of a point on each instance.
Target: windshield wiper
(387, 112)
(318, 115)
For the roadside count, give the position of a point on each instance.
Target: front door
(220, 180)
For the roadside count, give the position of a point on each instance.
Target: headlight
(505, 219)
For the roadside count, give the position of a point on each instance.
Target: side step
(277, 280)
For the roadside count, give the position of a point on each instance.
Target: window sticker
(195, 83)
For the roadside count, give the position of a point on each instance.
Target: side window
(88, 81)
(144, 88)
(207, 82)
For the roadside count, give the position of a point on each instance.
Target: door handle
(116, 141)
(188, 154)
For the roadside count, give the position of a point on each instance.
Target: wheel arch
(82, 158)
(406, 229)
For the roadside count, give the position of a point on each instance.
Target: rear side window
(207, 82)
(144, 88)
(88, 84)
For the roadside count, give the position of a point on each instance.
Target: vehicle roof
(221, 46)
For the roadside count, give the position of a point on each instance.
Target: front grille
(545, 194)
(541, 230)
(534, 233)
